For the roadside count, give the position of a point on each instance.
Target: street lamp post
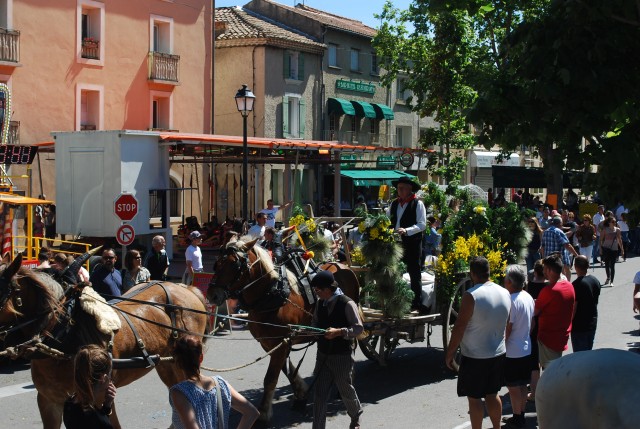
(244, 102)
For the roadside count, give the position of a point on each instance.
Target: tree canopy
(559, 76)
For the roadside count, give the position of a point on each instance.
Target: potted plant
(90, 42)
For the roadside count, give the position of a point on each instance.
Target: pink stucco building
(104, 65)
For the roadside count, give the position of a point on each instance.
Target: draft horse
(246, 271)
(27, 295)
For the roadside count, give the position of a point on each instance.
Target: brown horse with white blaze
(247, 271)
(30, 295)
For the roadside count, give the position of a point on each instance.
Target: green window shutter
(303, 116)
(285, 116)
(300, 66)
(287, 65)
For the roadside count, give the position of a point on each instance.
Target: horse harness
(170, 308)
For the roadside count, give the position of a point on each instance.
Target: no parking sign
(125, 235)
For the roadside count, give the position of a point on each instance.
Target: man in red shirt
(554, 308)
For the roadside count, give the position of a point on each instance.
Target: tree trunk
(553, 166)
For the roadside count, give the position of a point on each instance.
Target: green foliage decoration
(383, 254)
(500, 234)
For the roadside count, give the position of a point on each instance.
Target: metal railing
(91, 50)
(9, 45)
(163, 66)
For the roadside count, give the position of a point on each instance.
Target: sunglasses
(108, 257)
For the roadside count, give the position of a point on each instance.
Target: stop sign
(126, 207)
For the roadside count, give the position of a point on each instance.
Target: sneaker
(611, 284)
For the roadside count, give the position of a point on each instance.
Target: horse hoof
(299, 405)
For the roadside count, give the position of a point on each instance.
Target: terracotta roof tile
(329, 19)
(243, 24)
(336, 21)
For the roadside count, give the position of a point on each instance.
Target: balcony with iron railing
(91, 49)
(163, 67)
(9, 45)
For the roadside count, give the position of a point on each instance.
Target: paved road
(413, 391)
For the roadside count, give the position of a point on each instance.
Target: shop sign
(347, 165)
(386, 162)
(349, 85)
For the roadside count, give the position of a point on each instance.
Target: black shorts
(50, 231)
(478, 378)
(517, 371)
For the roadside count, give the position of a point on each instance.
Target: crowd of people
(603, 238)
(509, 335)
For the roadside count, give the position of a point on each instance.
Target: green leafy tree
(451, 51)
(569, 90)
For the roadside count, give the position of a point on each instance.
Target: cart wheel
(371, 348)
(452, 316)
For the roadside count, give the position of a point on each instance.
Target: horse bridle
(241, 264)
(8, 288)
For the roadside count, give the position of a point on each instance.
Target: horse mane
(265, 259)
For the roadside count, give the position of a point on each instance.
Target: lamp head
(244, 100)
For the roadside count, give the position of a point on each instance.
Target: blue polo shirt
(106, 281)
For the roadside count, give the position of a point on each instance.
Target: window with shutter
(301, 118)
(285, 117)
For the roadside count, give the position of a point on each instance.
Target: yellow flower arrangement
(480, 210)
(301, 222)
(357, 258)
(457, 261)
(376, 228)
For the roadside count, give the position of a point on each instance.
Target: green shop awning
(383, 111)
(374, 177)
(340, 107)
(364, 109)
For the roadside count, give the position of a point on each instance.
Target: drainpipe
(254, 167)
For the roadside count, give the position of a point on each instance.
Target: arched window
(174, 198)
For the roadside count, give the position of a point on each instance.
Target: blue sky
(362, 10)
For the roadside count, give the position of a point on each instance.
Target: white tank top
(484, 335)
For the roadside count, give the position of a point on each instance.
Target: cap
(194, 235)
(414, 185)
(322, 280)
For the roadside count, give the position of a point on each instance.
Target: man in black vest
(338, 315)
(409, 219)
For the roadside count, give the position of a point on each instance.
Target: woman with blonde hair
(201, 402)
(90, 405)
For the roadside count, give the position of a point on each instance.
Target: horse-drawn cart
(384, 334)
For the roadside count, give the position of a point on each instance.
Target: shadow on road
(408, 368)
(8, 366)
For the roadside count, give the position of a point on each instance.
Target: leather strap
(139, 342)
(221, 419)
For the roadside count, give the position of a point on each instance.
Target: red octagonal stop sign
(126, 207)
